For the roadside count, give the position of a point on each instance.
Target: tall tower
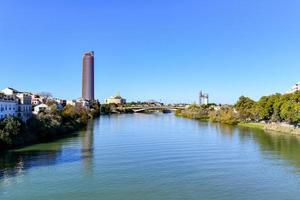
(88, 76)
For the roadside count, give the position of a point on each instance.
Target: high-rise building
(88, 76)
(203, 98)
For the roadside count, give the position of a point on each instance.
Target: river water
(155, 156)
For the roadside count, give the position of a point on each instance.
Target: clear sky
(152, 49)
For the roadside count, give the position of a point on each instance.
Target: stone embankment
(282, 127)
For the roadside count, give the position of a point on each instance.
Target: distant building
(295, 88)
(78, 102)
(22, 108)
(40, 108)
(83, 103)
(8, 106)
(36, 100)
(88, 76)
(10, 91)
(115, 100)
(71, 102)
(203, 98)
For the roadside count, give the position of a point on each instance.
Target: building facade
(88, 76)
(15, 103)
(24, 111)
(8, 106)
(203, 98)
(40, 108)
(115, 100)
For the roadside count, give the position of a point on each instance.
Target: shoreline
(274, 127)
(252, 125)
(38, 139)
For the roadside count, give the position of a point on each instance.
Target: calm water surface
(134, 157)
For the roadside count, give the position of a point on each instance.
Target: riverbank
(44, 127)
(226, 115)
(283, 128)
(252, 125)
(276, 127)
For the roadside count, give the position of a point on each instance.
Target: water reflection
(17, 162)
(87, 147)
(284, 146)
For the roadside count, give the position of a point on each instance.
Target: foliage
(105, 109)
(246, 108)
(225, 114)
(10, 128)
(195, 112)
(272, 108)
(49, 124)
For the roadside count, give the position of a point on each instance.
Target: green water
(157, 156)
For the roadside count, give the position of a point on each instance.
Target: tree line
(273, 108)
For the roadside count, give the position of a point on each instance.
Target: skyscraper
(88, 76)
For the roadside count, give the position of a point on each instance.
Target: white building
(8, 106)
(10, 91)
(203, 98)
(295, 88)
(78, 102)
(71, 102)
(37, 99)
(23, 108)
(40, 108)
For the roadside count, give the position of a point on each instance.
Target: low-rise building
(18, 105)
(295, 88)
(71, 102)
(115, 100)
(78, 102)
(40, 108)
(37, 99)
(8, 106)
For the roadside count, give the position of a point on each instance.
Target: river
(155, 156)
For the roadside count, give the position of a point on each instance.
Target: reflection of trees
(14, 162)
(286, 146)
(225, 130)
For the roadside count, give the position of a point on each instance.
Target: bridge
(162, 108)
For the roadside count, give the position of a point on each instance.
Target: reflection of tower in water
(87, 146)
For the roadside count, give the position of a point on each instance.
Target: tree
(265, 106)
(10, 128)
(246, 108)
(228, 116)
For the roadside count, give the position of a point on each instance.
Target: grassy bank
(252, 125)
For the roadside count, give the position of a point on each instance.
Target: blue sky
(152, 49)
